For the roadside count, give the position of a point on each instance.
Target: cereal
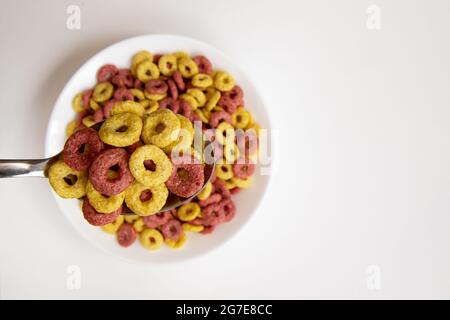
(186, 179)
(146, 71)
(149, 106)
(88, 121)
(106, 72)
(202, 80)
(123, 94)
(229, 209)
(192, 228)
(189, 211)
(203, 115)
(139, 225)
(213, 214)
(240, 119)
(185, 138)
(230, 100)
(71, 127)
(121, 130)
(158, 219)
(162, 165)
(244, 170)
(131, 218)
(213, 100)
(170, 103)
(242, 183)
(203, 64)
(111, 158)
(156, 87)
(123, 79)
(126, 235)
(185, 109)
(128, 106)
(177, 244)
(102, 203)
(181, 54)
(219, 116)
(187, 67)
(81, 149)
(223, 81)
(96, 218)
(144, 200)
(172, 230)
(161, 128)
(113, 226)
(108, 107)
(224, 171)
(173, 90)
(87, 94)
(138, 94)
(178, 79)
(67, 182)
(94, 105)
(206, 192)
(225, 133)
(189, 99)
(198, 95)
(103, 91)
(167, 64)
(151, 239)
(220, 187)
(77, 103)
(214, 198)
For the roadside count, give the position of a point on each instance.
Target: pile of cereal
(125, 170)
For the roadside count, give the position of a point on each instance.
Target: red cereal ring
(185, 108)
(172, 89)
(117, 159)
(213, 214)
(156, 87)
(229, 209)
(126, 235)
(157, 220)
(208, 229)
(98, 115)
(221, 188)
(247, 142)
(214, 198)
(156, 58)
(172, 230)
(203, 64)
(186, 178)
(178, 78)
(138, 84)
(81, 148)
(122, 94)
(87, 94)
(235, 190)
(170, 103)
(123, 78)
(219, 116)
(108, 106)
(96, 218)
(106, 72)
(243, 170)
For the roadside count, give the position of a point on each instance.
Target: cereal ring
(225, 133)
(186, 179)
(167, 64)
(103, 91)
(138, 94)
(66, 182)
(240, 119)
(172, 89)
(139, 225)
(189, 211)
(235, 97)
(208, 229)
(108, 107)
(235, 190)
(131, 218)
(111, 158)
(146, 201)
(223, 81)
(96, 218)
(88, 121)
(213, 214)
(229, 184)
(71, 127)
(178, 79)
(113, 226)
(176, 244)
(224, 171)
(181, 54)
(198, 95)
(161, 128)
(204, 65)
(140, 57)
(87, 94)
(121, 130)
(77, 103)
(123, 79)
(106, 72)
(158, 219)
(219, 116)
(230, 153)
(193, 104)
(156, 58)
(172, 230)
(213, 100)
(126, 235)
(156, 87)
(242, 183)
(243, 171)
(151, 239)
(102, 203)
(123, 94)
(221, 188)
(149, 106)
(202, 80)
(185, 109)
(206, 192)
(185, 138)
(170, 103)
(128, 106)
(187, 67)
(138, 84)
(146, 71)
(228, 208)
(94, 105)
(162, 165)
(214, 198)
(81, 148)
(192, 228)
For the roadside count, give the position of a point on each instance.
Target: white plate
(120, 54)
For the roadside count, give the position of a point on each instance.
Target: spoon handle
(23, 168)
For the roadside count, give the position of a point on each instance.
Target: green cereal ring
(103, 91)
(101, 203)
(137, 94)
(202, 80)
(225, 133)
(190, 99)
(162, 165)
(223, 81)
(151, 239)
(185, 138)
(77, 103)
(121, 130)
(161, 128)
(167, 64)
(187, 67)
(212, 101)
(137, 198)
(155, 96)
(138, 58)
(66, 182)
(128, 106)
(147, 70)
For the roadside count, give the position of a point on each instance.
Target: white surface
(364, 135)
(120, 54)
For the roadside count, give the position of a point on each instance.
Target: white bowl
(120, 54)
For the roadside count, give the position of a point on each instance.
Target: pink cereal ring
(98, 172)
(126, 235)
(203, 64)
(219, 116)
(98, 115)
(173, 90)
(186, 178)
(108, 106)
(157, 220)
(243, 170)
(235, 190)
(178, 78)
(96, 218)
(87, 94)
(214, 198)
(138, 84)
(213, 214)
(123, 78)
(156, 87)
(106, 72)
(170, 103)
(122, 94)
(172, 230)
(156, 58)
(81, 149)
(208, 229)
(229, 209)
(221, 188)
(185, 108)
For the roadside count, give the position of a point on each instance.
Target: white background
(363, 177)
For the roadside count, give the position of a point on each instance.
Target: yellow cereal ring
(187, 67)
(185, 138)
(203, 115)
(114, 226)
(70, 128)
(149, 178)
(198, 95)
(225, 133)
(101, 203)
(192, 228)
(168, 64)
(121, 130)
(229, 184)
(161, 128)
(240, 119)
(139, 225)
(189, 211)
(206, 192)
(217, 108)
(149, 106)
(155, 96)
(137, 94)
(242, 183)
(128, 106)
(224, 171)
(88, 121)
(138, 58)
(230, 153)
(77, 103)
(223, 81)
(103, 91)
(67, 182)
(94, 105)
(181, 54)
(202, 80)
(147, 70)
(190, 99)
(131, 218)
(213, 100)
(176, 244)
(256, 127)
(151, 239)
(158, 198)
